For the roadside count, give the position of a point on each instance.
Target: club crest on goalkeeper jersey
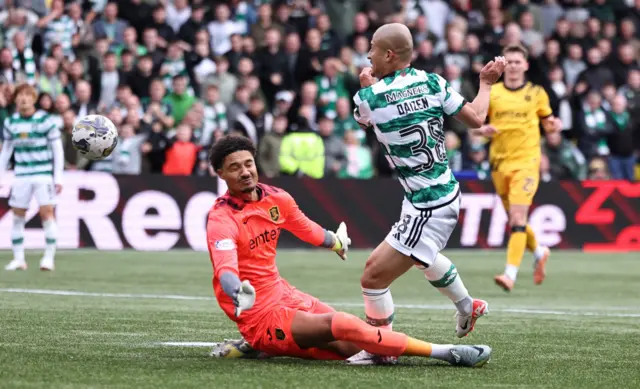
(31, 138)
(406, 111)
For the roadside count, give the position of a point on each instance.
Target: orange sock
(418, 348)
(380, 341)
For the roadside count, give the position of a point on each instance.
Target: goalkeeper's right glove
(244, 297)
(342, 241)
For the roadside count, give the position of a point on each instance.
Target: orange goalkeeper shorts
(273, 333)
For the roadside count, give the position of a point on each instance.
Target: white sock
(511, 272)
(378, 307)
(17, 237)
(441, 351)
(539, 252)
(443, 275)
(50, 235)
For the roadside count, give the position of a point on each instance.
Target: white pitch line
(114, 295)
(577, 312)
(186, 344)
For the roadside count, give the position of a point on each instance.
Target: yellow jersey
(516, 113)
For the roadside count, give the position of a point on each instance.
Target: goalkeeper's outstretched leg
(344, 334)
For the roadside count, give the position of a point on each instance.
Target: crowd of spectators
(176, 75)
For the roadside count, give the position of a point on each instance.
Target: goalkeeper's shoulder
(278, 196)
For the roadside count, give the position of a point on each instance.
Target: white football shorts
(422, 234)
(23, 189)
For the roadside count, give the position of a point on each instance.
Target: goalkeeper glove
(244, 297)
(342, 241)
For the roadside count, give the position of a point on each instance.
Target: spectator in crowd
(359, 162)
(18, 21)
(269, 149)
(24, 62)
(632, 92)
(164, 32)
(180, 100)
(565, 161)
(302, 151)
(479, 160)
(73, 160)
(334, 147)
(344, 121)
(181, 154)
(620, 141)
(426, 60)
(573, 65)
(598, 170)
(272, 64)
(195, 22)
(593, 127)
(221, 29)
(178, 12)
(127, 157)
(454, 155)
(596, 75)
(110, 25)
(331, 86)
(178, 75)
(256, 122)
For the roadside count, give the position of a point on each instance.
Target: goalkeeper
(275, 318)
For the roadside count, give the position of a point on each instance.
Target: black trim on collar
(516, 89)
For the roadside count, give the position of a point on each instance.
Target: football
(95, 137)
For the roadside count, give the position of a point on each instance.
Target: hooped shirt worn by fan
(242, 237)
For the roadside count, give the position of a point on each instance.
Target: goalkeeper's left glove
(342, 241)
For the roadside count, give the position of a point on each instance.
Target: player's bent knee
(20, 212)
(373, 276)
(518, 216)
(312, 330)
(46, 212)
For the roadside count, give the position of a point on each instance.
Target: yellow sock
(417, 348)
(532, 242)
(515, 250)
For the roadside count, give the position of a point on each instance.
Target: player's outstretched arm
(475, 113)
(309, 231)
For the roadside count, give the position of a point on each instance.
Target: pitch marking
(429, 307)
(186, 344)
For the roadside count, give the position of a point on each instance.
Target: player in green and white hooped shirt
(33, 137)
(405, 108)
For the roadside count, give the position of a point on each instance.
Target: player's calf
(384, 265)
(50, 235)
(387, 343)
(17, 240)
(516, 246)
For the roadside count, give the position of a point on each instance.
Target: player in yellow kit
(515, 111)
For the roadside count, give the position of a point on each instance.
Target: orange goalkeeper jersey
(242, 238)
(516, 113)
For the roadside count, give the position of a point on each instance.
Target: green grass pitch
(578, 330)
